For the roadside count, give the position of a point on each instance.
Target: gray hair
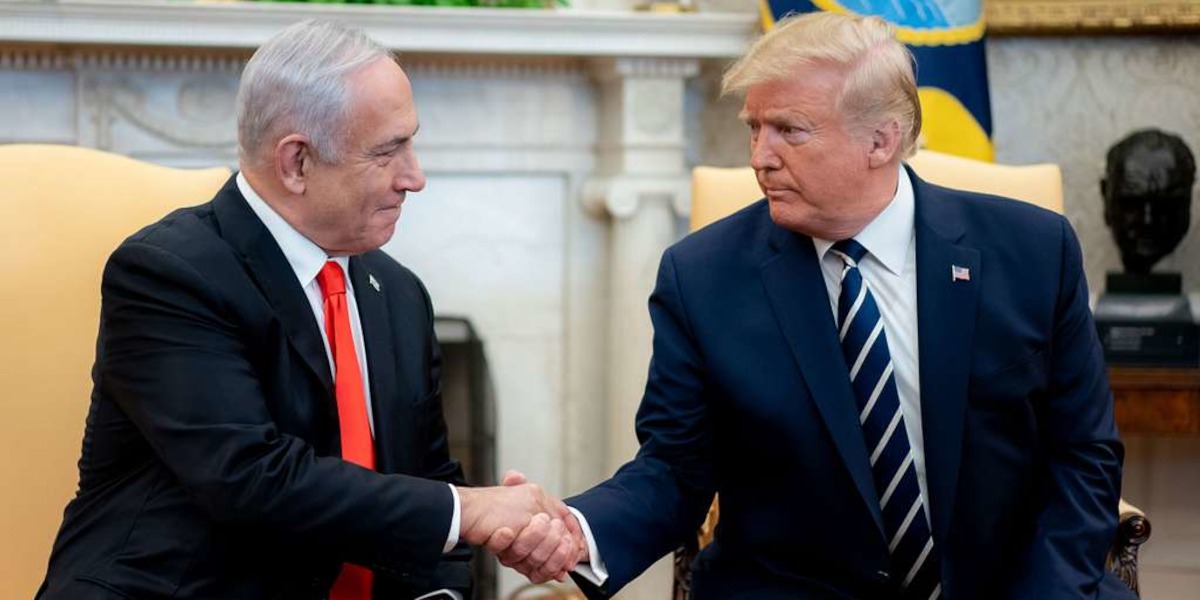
(296, 83)
(880, 83)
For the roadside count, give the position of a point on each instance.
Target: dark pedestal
(1144, 320)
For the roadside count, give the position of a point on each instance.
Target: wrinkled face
(352, 206)
(810, 167)
(1147, 204)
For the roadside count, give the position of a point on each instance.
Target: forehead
(809, 89)
(381, 100)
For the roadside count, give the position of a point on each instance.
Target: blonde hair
(880, 83)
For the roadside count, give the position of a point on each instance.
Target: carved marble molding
(201, 117)
(422, 29)
(27, 57)
(1056, 17)
(622, 197)
(492, 67)
(607, 69)
(32, 59)
(133, 60)
(36, 57)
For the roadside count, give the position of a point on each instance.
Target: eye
(384, 155)
(795, 134)
(792, 130)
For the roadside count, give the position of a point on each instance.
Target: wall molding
(422, 29)
(1057, 17)
(36, 57)
(42, 57)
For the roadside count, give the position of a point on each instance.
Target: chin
(783, 213)
(384, 238)
(797, 219)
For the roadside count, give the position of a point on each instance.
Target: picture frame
(1091, 17)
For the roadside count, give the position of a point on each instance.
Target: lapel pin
(958, 273)
(374, 282)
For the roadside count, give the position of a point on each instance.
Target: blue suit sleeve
(1077, 519)
(650, 506)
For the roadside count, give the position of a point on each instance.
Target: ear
(294, 158)
(885, 144)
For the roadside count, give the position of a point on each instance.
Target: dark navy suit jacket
(748, 396)
(210, 464)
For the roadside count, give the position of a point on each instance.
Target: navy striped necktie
(865, 348)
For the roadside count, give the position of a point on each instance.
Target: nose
(762, 153)
(1147, 214)
(411, 177)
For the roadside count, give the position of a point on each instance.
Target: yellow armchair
(64, 210)
(717, 192)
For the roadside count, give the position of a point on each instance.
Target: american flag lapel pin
(958, 273)
(374, 282)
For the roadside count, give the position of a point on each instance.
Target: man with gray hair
(895, 388)
(266, 417)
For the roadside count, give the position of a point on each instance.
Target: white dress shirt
(890, 272)
(307, 259)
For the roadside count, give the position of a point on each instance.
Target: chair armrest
(1133, 529)
(686, 554)
(545, 591)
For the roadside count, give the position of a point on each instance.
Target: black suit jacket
(210, 464)
(748, 396)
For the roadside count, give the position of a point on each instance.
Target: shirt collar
(888, 236)
(305, 257)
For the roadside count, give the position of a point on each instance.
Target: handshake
(527, 529)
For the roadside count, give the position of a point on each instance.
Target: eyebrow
(777, 117)
(393, 143)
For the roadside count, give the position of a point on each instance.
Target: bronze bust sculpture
(1143, 318)
(1147, 191)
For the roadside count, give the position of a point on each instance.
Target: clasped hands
(527, 529)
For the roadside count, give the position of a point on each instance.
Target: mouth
(770, 188)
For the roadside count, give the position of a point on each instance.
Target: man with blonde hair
(266, 417)
(895, 388)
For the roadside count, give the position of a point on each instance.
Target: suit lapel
(390, 403)
(796, 289)
(946, 320)
(246, 233)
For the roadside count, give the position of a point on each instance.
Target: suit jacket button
(883, 576)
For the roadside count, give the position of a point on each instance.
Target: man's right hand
(492, 517)
(526, 528)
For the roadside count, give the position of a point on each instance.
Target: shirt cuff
(594, 571)
(455, 524)
(442, 594)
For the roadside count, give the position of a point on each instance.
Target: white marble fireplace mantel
(219, 24)
(554, 143)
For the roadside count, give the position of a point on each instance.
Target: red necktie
(354, 583)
